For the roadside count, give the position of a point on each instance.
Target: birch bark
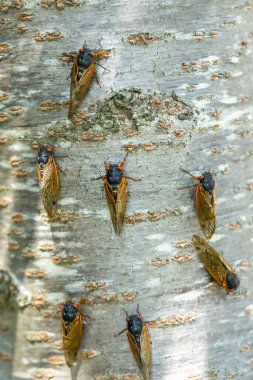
(203, 52)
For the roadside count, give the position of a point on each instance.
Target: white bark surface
(202, 51)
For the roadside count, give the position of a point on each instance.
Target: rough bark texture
(201, 50)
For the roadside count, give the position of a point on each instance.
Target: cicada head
(134, 325)
(43, 155)
(207, 181)
(69, 312)
(232, 281)
(114, 174)
(85, 57)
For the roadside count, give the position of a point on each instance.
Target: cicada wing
(49, 186)
(135, 350)
(110, 201)
(79, 88)
(145, 352)
(205, 205)
(212, 260)
(73, 77)
(121, 205)
(73, 83)
(39, 172)
(71, 340)
(213, 199)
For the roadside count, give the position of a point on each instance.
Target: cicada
(205, 202)
(81, 75)
(216, 265)
(115, 186)
(71, 329)
(139, 342)
(47, 169)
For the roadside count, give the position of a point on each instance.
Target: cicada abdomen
(71, 328)
(216, 265)
(47, 169)
(139, 342)
(81, 75)
(205, 202)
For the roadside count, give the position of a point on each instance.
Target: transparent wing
(121, 205)
(135, 350)
(214, 263)
(145, 352)
(110, 201)
(49, 186)
(205, 205)
(78, 89)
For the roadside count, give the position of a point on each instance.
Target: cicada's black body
(85, 57)
(44, 155)
(114, 177)
(134, 326)
(69, 312)
(207, 181)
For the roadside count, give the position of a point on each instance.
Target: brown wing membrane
(121, 205)
(142, 355)
(135, 350)
(71, 341)
(78, 89)
(49, 186)
(214, 263)
(116, 207)
(205, 205)
(145, 352)
(110, 201)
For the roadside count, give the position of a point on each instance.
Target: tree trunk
(178, 93)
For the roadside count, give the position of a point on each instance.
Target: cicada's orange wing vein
(142, 355)
(121, 204)
(145, 352)
(110, 201)
(116, 206)
(49, 186)
(205, 205)
(135, 350)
